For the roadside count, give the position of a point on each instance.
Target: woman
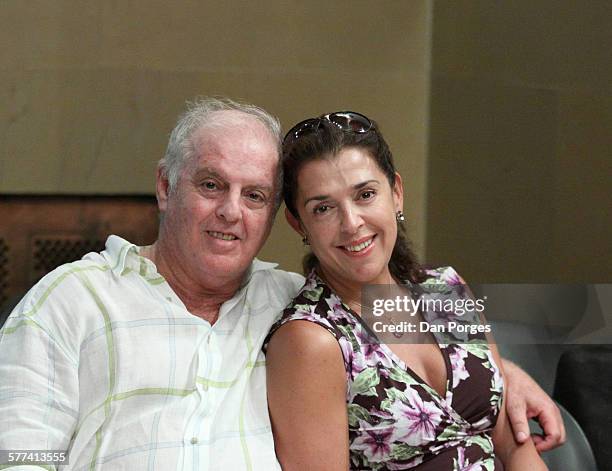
(338, 398)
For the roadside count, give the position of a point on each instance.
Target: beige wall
(521, 131)
(91, 89)
(506, 177)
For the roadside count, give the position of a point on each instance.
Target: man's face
(220, 213)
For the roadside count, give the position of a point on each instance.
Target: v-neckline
(405, 367)
(393, 356)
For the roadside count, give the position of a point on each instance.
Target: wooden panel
(3, 272)
(39, 233)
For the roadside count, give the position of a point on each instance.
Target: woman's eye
(368, 194)
(210, 185)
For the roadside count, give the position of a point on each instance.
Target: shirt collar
(120, 254)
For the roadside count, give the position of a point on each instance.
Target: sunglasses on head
(348, 121)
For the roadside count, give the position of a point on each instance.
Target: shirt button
(194, 440)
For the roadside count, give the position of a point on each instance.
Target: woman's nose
(351, 220)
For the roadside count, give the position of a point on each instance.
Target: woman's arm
(307, 398)
(514, 455)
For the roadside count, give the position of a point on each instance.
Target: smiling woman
(347, 211)
(338, 396)
(322, 139)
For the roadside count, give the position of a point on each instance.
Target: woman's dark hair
(325, 143)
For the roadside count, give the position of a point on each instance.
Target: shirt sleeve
(39, 389)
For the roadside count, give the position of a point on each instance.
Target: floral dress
(396, 420)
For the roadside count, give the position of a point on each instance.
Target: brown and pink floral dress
(396, 420)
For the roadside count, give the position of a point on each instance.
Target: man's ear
(294, 222)
(162, 188)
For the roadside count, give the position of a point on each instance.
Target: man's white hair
(201, 114)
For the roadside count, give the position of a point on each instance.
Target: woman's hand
(307, 398)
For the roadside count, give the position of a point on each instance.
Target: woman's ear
(294, 222)
(398, 192)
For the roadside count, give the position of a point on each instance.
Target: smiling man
(150, 357)
(217, 208)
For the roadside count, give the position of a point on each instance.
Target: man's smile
(222, 235)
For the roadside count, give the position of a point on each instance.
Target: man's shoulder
(282, 279)
(94, 269)
(274, 282)
(93, 264)
(68, 285)
(286, 277)
(59, 303)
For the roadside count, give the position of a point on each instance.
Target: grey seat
(530, 347)
(583, 385)
(575, 454)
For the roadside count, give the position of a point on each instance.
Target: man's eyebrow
(210, 172)
(261, 187)
(207, 171)
(358, 186)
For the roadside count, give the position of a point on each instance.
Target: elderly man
(150, 357)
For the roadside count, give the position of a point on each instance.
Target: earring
(305, 241)
(400, 216)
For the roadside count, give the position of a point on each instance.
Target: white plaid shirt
(102, 359)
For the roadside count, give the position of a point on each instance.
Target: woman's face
(347, 210)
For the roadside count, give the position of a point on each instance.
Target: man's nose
(229, 208)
